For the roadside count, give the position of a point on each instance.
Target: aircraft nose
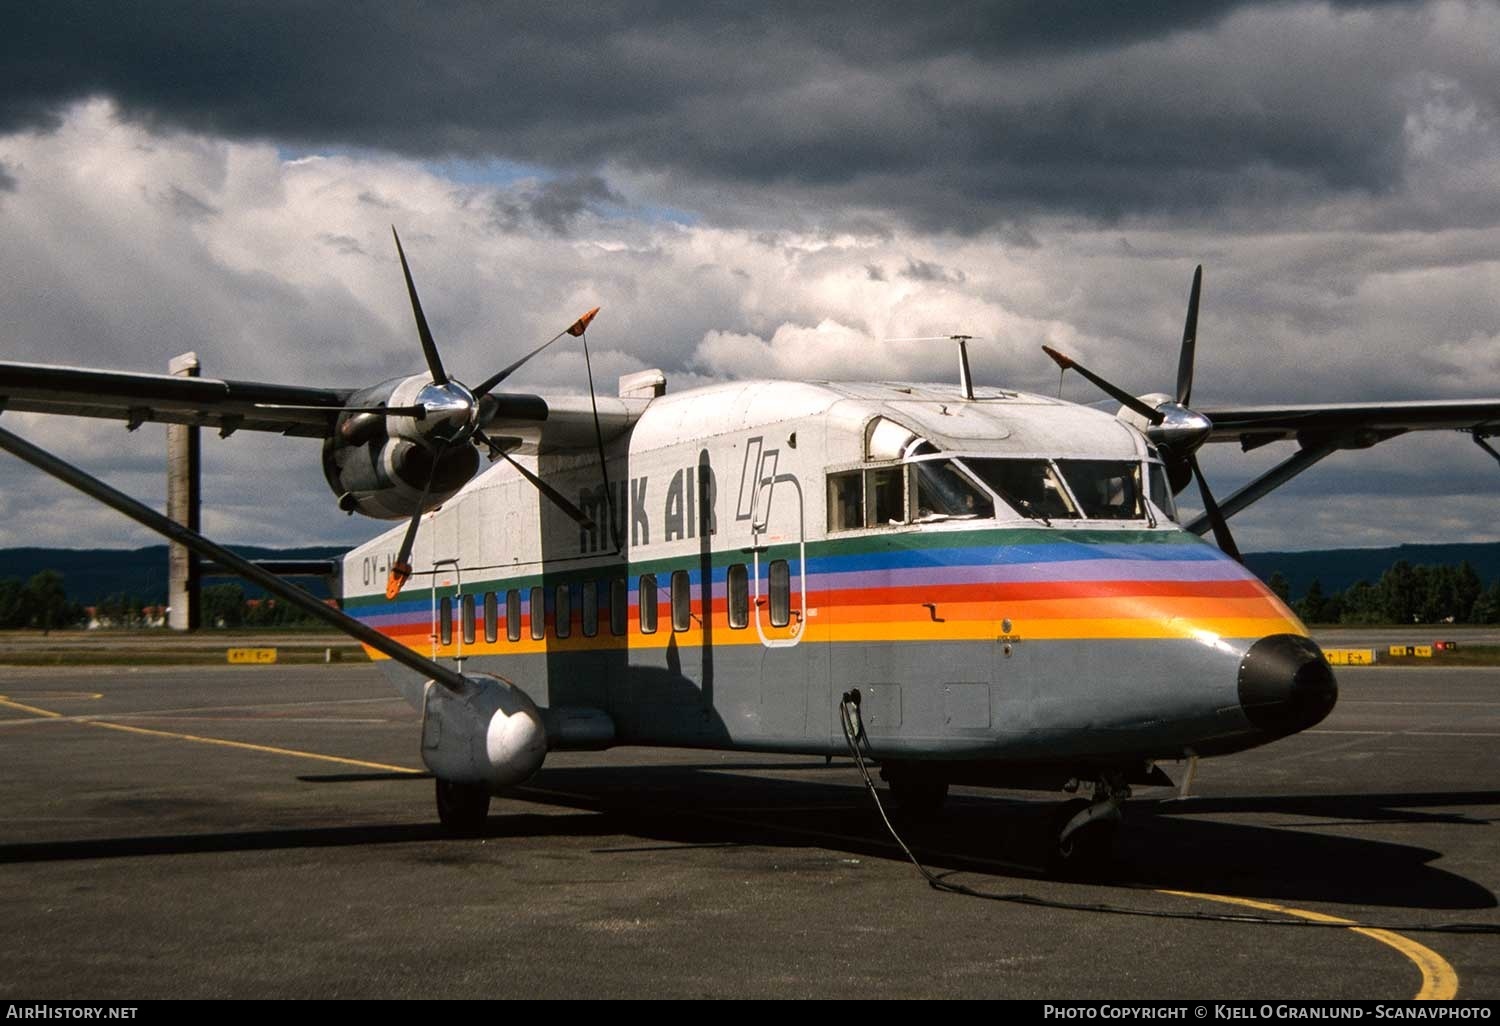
(1285, 684)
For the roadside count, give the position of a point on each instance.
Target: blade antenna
(429, 347)
(609, 500)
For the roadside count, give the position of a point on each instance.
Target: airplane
(969, 585)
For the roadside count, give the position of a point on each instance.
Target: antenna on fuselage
(965, 376)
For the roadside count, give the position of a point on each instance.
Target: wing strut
(145, 515)
(1479, 440)
(1271, 479)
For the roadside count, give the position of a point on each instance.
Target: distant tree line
(1404, 594)
(42, 603)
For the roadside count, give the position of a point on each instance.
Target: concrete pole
(182, 506)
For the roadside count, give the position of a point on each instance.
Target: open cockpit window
(1032, 487)
(941, 491)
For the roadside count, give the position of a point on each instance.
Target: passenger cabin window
(781, 593)
(682, 601)
(590, 608)
(513, 614)
(738, 581)
(491, 617)
(1106, 489)
(466, 605)
(538, 614)
(845, 501)
(619, 601)
(645, 601)
(445, 621)
(563, 611)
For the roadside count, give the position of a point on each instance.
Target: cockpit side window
(1031, 486)
(1106, 489)
(885, 496)
(940, 490)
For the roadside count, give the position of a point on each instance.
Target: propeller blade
(1189, 341)
(576, 329)
(1114, 391)
(1215, 518)
(401, 568)
(558, 499)
(429, 347)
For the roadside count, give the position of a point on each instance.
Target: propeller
(1175, 429)
(451, 415)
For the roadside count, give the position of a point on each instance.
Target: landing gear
(917, 795)
(1086, 828)
(462, 808)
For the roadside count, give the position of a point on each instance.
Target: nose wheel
(1085, 829)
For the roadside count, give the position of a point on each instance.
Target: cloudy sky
(759, 190)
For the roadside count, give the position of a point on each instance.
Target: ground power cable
(855, 737)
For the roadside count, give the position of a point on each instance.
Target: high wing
(1355, 425)
(137, 398)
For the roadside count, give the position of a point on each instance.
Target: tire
(1089, 850)
(462, 808)
(918, 797)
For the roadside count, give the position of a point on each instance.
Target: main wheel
(462, 808)
(917, 796)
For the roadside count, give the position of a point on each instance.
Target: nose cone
(1285, 684)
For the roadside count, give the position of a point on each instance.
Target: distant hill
(1337, 569)
(90, 575)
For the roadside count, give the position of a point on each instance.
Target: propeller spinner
(452, 415)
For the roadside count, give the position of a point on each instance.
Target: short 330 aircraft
(996, 583)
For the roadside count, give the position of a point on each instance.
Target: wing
(137, 398)
(1349, 425)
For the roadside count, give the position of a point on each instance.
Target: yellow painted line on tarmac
(1439, 980)
(217, 741)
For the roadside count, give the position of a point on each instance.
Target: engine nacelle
(492, 734)
(379, 465)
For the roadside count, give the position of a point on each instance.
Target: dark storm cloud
(964, 118)
(924, 270)
(554, 205)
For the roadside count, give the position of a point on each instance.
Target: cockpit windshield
(1031, 486)
(924, 490)
(1106, 489)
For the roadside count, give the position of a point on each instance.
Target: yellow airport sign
(1422, 651)
(259, 656)
(1350, 656)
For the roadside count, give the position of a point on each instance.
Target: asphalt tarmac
(252, 832)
